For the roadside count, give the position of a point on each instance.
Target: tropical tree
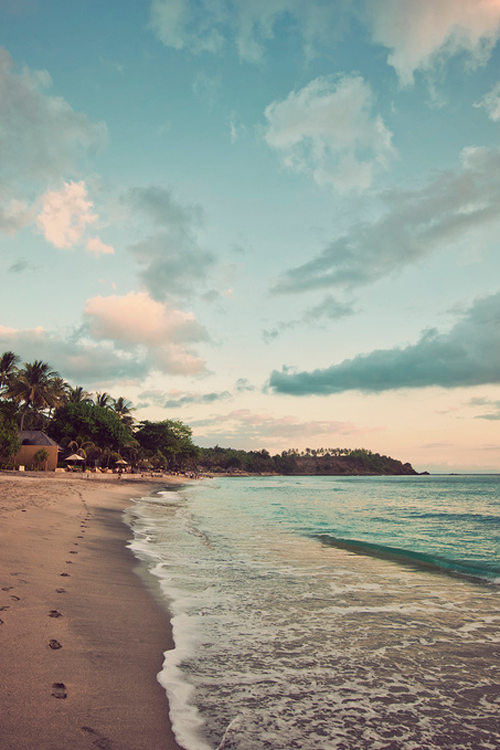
(102, 426)
(124, 408)
(41, 457)
(103, 399)
(8, 364)
(78, 394)
(9, 439)
(36, 387)
(171, 438)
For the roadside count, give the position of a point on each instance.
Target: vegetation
(101, 430)
(169, 443)
(9, 441)
(329, 461)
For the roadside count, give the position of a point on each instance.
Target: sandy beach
(81, 637)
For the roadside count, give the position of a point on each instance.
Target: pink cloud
(417, 33)
(136, 319)
(66, 214)
(97, 246)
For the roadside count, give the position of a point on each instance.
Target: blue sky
(277, 221)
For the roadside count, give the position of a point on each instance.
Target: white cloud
(42, 142)
(136, 320)
(421, 33)
(212, 25)
(491, 103)
(177, 25)
(15, 215)
(66, 214)
(416, 223)
(41, 137)
(328, 129)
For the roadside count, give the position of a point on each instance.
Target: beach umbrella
(121, 461)
(74, 457)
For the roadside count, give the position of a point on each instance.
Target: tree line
(98, 428)
(103, 432)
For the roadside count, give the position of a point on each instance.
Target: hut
(33, 441)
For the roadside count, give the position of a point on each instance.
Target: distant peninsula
(323, 462)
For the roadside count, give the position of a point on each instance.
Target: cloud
(422, 34)
(177, 25)
(491, 103)
(41, 138)
(42, 142)
(75, 357)
(14, 215)
(415, 224)
(328, 129)
(468, 355)
(173, 262)
(122, 337)
(97, 246)
(244, 427)
(329, 308)
(21, 266)
(493, 406)
(175, 399)
(66, 214)
(211, 25)
(136, 320)
(207, 88)
(243, 384)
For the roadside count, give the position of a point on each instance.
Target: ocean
(322, 613)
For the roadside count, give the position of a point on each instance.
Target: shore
(81, 637)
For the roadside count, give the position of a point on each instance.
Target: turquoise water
(329, 612)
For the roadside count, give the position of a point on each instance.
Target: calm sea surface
(324, 613)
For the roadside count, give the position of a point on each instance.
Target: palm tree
(103, 399)
(78, 394)
(124, 408)
(8, 362)
(83, 446)
(36, 385)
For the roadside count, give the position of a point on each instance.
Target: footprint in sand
(60, 591)
(54, 645)
(69, 562)
(97, 739)
(65, 575)
(59, 690)
(2, 609)
(73, 552)
(54, 613)
(15, 598)
(7, 588)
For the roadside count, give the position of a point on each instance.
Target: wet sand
(81, 637)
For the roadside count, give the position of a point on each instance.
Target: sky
(275, 220)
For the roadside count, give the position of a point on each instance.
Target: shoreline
(82, 635)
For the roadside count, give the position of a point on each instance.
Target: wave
(479, 570)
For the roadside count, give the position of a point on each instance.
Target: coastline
(81, 638)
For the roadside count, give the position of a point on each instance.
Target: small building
(33, 441)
